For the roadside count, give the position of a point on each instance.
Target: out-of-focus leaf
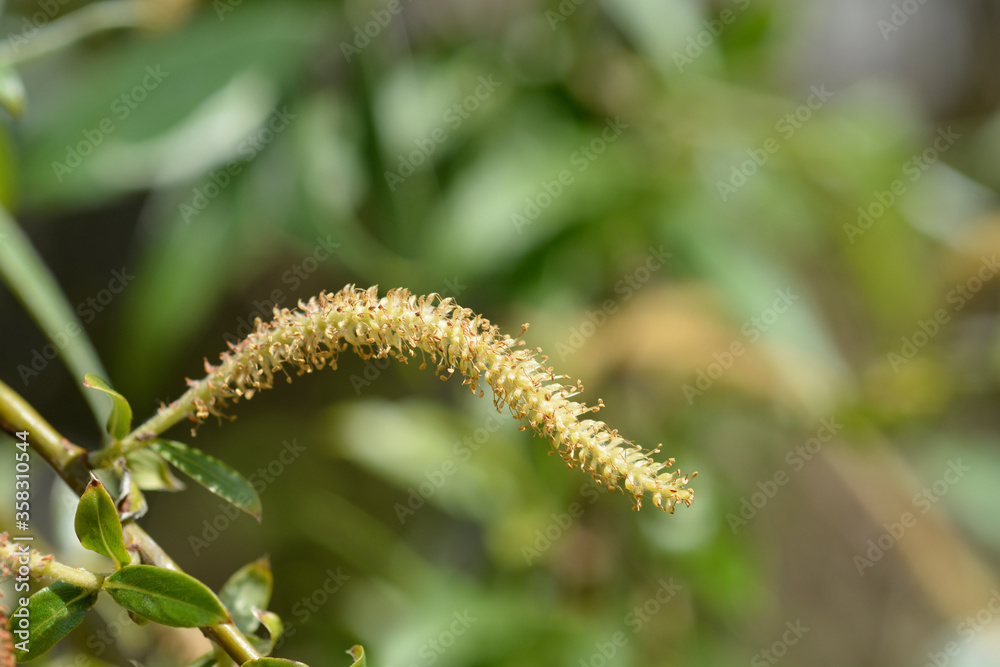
(12, 95)
(120, 420)
(275, 628)
(273, 662)
(146, 88)
(98, 525)
(165, 596)
(36, 288)
(213, 474)
(358, 653)
(168, 308)
(7, 172)
(151, 472)
(249, 588)
(53, 612)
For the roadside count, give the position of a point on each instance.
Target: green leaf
(273, 662)
(249, 588)
(211, 473)
(98, 526)
(151, 472)
(274, 626)
(132, 503)
(165, 596)
(358, 653)
(36, 288)
(120, 421)
(53, 612)
(12, 96)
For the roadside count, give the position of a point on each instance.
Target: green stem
(17, 415)
(44, 566)
(73, 27)
(68, 460)
(72, 575)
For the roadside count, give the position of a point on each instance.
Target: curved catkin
(457, 341)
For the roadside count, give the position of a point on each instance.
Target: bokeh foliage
(684, 97)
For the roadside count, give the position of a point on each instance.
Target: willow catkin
(402, 325)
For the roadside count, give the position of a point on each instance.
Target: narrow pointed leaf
(34, 285)
(53, 612)
(120, 421)
(273, 662)
(151, 472)
(358, 653)
(211, 473)
(165, 596)
(249, 588)
(98, 526)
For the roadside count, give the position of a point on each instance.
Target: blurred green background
(764, 233)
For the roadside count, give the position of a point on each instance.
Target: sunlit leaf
(249, 588)
(53, 613)
(211, 473)
(120, 421)
(165, 596)
(358, 653)
(98, 526)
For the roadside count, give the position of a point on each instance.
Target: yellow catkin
(402, 325)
